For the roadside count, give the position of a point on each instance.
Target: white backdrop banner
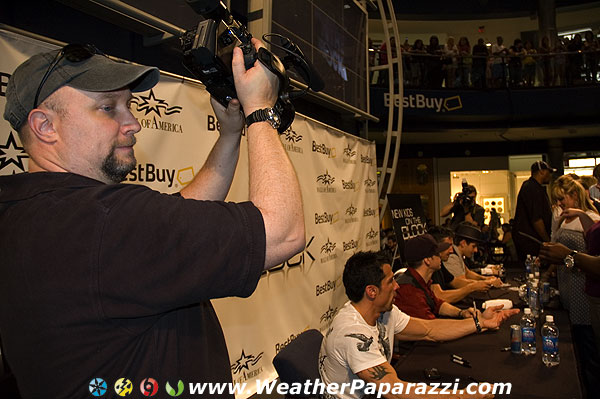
(337, 174)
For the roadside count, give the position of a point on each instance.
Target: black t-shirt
(442, 277)
(532, 205)
(114, 281)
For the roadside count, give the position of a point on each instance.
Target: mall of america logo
(351, 211)
(151, 105)
(329, 250)
(369, 183)
(246, 366)
(326, 180)
(292, 138)
(372, 238)
(349, 153)
(328, 315)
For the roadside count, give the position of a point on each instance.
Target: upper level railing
(526, 70)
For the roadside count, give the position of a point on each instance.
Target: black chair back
(299, 360)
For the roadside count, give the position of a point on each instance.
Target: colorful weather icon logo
(172, 392)
(149, 387)
(123, 387)
(98, 387)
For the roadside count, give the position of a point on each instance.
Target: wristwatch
(265, 115)
(570, 260)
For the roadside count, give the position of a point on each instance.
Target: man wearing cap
(443, 283)
(533, 215)
(360, 340)
(414, 295)
(101, 280)
(466, 239)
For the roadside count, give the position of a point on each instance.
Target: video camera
(463, 197)
(208, 51)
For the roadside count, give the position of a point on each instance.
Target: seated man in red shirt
(414, 295)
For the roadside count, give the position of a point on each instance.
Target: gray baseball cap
(97, 73)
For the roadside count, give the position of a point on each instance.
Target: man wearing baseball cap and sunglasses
(107, 280)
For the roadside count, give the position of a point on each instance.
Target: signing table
(529, 377)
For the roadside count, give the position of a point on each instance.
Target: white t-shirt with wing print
(351, 345)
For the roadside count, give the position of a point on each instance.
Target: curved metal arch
(393, 137)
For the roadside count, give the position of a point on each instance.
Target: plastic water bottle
(528, 285)
(550, 357)
(528, 333)
(535, 267)
(528, 264)
(534, 298)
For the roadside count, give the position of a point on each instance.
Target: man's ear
(371, 291)
(41, 124)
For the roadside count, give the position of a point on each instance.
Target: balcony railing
(427, 71)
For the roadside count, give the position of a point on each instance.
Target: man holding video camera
(101, 281)
(465, 208)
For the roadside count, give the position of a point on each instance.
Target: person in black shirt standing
(533, 215)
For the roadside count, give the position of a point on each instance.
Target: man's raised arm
(274, 187)
(214, 179)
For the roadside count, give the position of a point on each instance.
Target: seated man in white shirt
(466, 239)
(360, 341)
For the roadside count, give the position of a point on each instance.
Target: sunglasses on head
(73, 53)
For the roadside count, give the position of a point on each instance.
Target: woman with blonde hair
(569, 195)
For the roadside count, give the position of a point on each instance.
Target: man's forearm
(540, 229)
(459, 282)
(588, 263)
(471, 275)
(214, 179)
(449, 329)
(449, 310)
(446, 209)
(453, 295)
(275, 190)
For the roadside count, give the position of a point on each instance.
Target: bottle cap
(527, 311)
(550, 318)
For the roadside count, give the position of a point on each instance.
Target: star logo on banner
(328, 316)
(11, 153)
(349, 152)
(328, 247)
(244, 362)
(150, 103)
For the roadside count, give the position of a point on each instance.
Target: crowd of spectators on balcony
(455, 64)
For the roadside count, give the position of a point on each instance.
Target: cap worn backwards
(541, 165)
(423, 246)
(97, 73)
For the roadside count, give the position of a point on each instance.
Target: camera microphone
(305, 68)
